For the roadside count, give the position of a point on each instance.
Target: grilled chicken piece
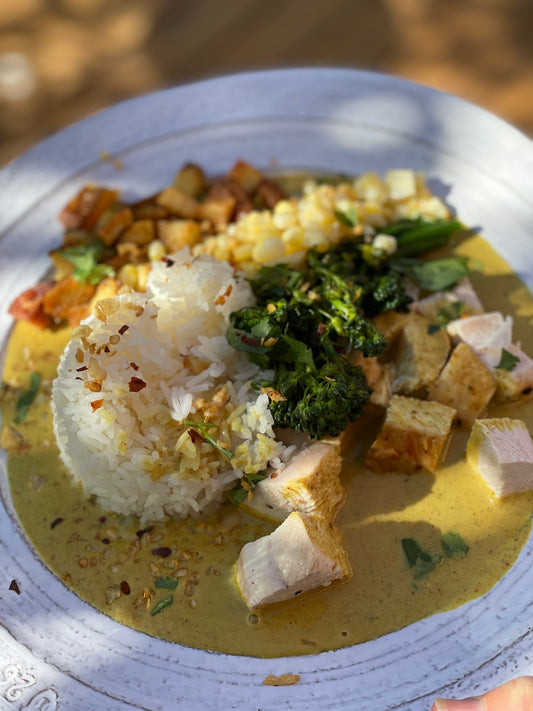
(303, 553)
(308, 482)
(501, 450)
(420, 357)
(414, 435)
(465, 383)
(486, 334)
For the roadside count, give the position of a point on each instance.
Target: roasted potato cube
(67, 299)
(190, 180)
(465, 383)
(86, 208)
(420, 357)
(218, 212)
(141, 233)
(246, 176)
(270, 193)
(226, 188)
(178, 203)
(176, 234)
(113, 223)
(414, 435)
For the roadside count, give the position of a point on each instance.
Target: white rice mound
(137, 367)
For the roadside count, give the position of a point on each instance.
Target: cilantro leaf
(436, 275)
(508, 361)
(419, 560)
(454, 545)
(239, 493)
(85, 258)
(26, 399)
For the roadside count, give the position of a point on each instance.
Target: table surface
(61, 60)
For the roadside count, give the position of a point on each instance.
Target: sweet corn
(156, 250)
(269, 250)
(128, 276)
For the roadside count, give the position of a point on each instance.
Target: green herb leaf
(419, 560)
(85, 258)
(348, 217)
(26, 399)
(454, 545)
(508, 361)
(436, 275)
(100, 272)
(162, 604)
(167, 583)
(239, 493)
(446, 314)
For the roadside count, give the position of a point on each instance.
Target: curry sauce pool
(129, 572)
(174, 579)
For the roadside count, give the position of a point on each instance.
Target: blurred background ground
(63, 59)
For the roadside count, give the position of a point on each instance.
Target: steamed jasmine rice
(140, 366)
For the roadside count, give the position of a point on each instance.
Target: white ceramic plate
(57, 651)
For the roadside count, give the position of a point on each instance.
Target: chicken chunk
(308, 482)
(420, 357)
(465, 383)
(501, 450)
(517, 381)
(486, 334)
(414, 435)
(303, 553)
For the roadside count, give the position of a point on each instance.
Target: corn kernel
(243, 252)
(128, 276)
(268, 250)
(142, 275)
(293, 238)
(156, 250)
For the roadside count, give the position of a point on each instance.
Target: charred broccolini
(308, 321)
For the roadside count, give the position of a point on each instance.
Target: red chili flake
(95, 404)
(56, 522)
(106, 349)
(250, 341)
(102, 519)
(83, 367)
(142, 531)
(122, 330)
(162, 552)
(14, 586)
(134, 366)
(195, 436)
(136, 384)
(125, 588)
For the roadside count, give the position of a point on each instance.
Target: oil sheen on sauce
(125, 571)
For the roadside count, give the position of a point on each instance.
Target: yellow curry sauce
(127, 573)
